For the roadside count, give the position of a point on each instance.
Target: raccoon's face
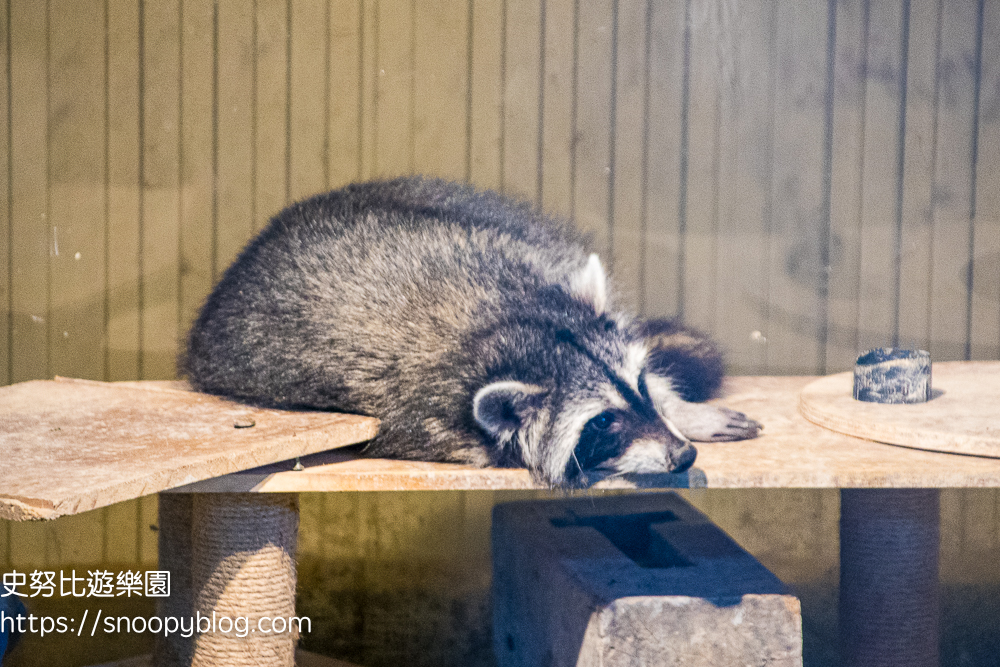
(595, 415)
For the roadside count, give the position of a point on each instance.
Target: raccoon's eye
(603, 421)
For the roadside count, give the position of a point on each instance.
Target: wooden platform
(963, 416)
(791, 452)
(69, 446)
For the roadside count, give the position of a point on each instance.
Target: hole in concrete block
(632, 535)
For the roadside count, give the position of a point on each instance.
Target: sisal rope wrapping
(889, 609)
(244, 568)
(174, 548)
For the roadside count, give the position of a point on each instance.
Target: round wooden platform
(963, 417)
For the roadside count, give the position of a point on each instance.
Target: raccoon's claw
(710, 423)
(739, 427)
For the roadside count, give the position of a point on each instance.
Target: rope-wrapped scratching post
(243, 571)
(889, 577)
(889, 540)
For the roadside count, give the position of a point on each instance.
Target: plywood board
(962, 418)
(791, 453)
(69, 446)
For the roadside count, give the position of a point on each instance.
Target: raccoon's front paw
(710, 423)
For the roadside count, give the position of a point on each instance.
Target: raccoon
(475, 327)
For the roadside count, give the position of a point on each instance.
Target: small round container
(893, 375)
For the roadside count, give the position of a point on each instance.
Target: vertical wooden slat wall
(801, 179)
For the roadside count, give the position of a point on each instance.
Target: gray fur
(476, 328)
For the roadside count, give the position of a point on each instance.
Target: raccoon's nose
(683, 458)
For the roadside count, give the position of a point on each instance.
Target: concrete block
(643, 579)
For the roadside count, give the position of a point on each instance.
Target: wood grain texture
(591, 134)
(72, 445)
(123, 146)
(915, 249)
(558, 87)
(522, 98)
(199, 158)
(485, 105)
(234, 127)
(985, 288)
(344, 122)
(846, 157)
(271, 102)
(160, 195)
(953, 182)
(661, 246)
(797, 272)
(883, 106)
(717, 154)
(440, 88)
(790, 453)
(5, 201)
(77, 189)
(962, 420)
(628, 214)
(307, 97)
(29, 206)
(745, 171)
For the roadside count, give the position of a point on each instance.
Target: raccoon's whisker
(577, 461)
(676, 431)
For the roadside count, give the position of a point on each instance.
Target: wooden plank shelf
(72, 445)
(68, 446)
(791, 452)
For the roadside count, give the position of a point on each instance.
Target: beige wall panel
(522, 99)
(701, 214)
(745, 169)
(883, 104)
(970, 535)
(557, 107)
(486, 94)
(123, 214)
(147, 537)
(986, 267)
(77, 540)
(953, 176)
(161, 185)
(847, 151)
(441, 88)
(661, 246)
(5, 545)
(918, 175)
(592, 134)
(29, 207)
(199, 267)
(5, 239)
(308, 97)
(369, 85)
(121, 525)
(394, 94)
(28, 544)
(798, 225)
(344, 123)
(271, 129)
(628, 217)
(77, 187)
(234, 207)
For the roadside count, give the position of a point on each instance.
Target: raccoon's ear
(501, 408)
(591, 284)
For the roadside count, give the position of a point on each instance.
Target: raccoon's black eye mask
(640, 402)
(598, 441)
